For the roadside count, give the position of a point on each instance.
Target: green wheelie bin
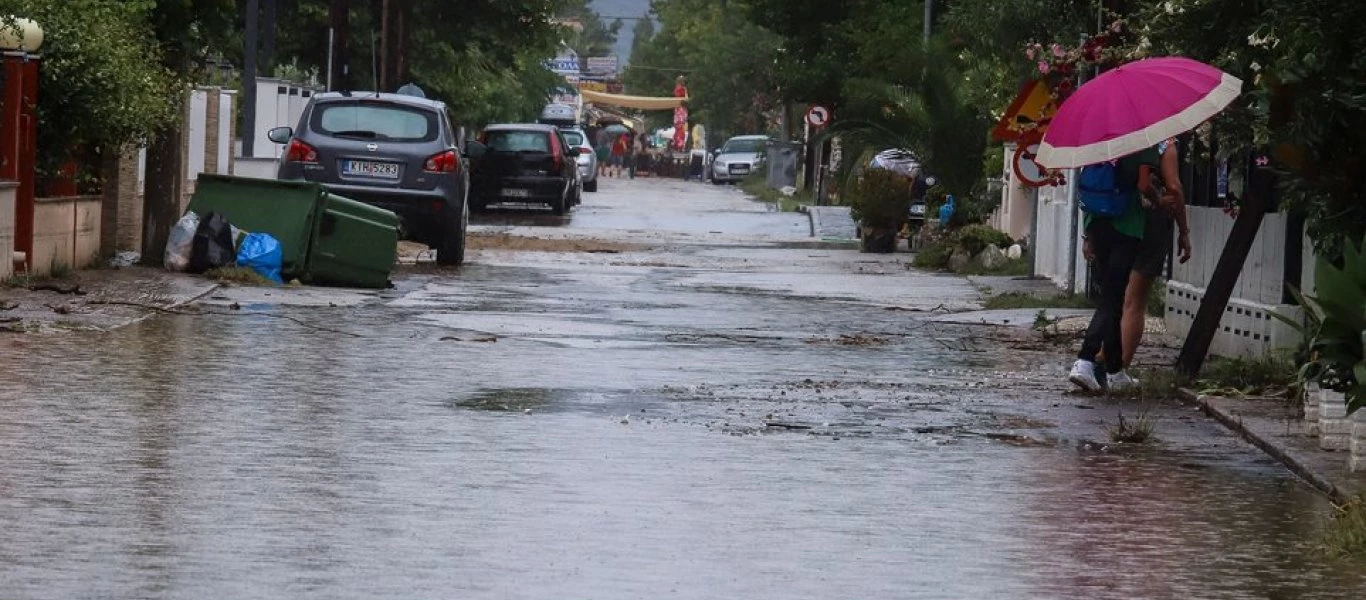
(324, 238)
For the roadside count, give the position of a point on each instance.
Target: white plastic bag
(180, 243)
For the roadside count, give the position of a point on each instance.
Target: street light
(22, 35)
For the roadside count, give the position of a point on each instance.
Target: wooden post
(1221, 284)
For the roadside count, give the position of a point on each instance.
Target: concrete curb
(1287, 441)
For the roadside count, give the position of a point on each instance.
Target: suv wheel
(590, 185)
(451, 252)
(560, 205)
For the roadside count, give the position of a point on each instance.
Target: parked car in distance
(587, 159)
(393, 151)
(737, 158)
(525, 163)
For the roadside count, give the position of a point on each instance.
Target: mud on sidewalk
(98, 299)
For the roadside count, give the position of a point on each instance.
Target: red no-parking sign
(818, 116)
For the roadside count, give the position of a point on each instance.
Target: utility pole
(249, 78)
(339, 63)
(268, 21)
(929, 17)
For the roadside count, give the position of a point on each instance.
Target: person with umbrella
(1114, 124)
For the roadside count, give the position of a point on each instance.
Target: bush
(975, 238)
(880, 199)
(1337, 331)
(934, 256)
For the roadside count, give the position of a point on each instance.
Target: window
(573, 137)
(375, 121)
(518, 141)
(750, 146)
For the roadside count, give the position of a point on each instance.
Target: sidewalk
(1277, 430)
(95, 300)
(831, 223)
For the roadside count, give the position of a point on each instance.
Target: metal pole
(268, 36)
(249, 79)
(929, 16)
(331, 36)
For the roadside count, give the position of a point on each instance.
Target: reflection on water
(248, 457)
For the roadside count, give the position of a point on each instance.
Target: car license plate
(365, 168)
(917, 209)
(739, 168)
(516, 193)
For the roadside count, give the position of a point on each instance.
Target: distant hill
(622, 8)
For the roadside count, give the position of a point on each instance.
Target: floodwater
(579, 429)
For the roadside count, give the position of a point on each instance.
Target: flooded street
(707, 405)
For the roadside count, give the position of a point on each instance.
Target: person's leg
(1102, 240)
(1113, 289)
(1135, 313)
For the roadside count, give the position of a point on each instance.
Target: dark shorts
(1157, 243)
(617, 160)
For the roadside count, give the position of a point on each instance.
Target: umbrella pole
(1221, 284)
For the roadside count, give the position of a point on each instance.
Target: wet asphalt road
(710, 407)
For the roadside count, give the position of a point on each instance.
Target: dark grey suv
(393, 151)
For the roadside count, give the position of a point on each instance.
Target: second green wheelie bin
(355, 244)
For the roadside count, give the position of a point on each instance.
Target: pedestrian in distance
(620, 145)
(637, 152)
(604, 151)
(1112, 196)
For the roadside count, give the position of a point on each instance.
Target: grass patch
(757, 185)
(238, 275)
(1138, 430)
(1346, 532)
(1272, 374)
(1157, 298)
(1015, 300)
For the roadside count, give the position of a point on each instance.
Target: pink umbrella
(1132, 107)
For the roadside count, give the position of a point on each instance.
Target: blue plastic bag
(261, 252)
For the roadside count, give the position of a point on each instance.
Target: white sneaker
(1084, 375)
(1119, 382)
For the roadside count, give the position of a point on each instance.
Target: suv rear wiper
(357, 133)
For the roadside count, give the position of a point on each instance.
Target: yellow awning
(637, 102)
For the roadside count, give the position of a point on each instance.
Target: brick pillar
(211, 137)
(121, 205)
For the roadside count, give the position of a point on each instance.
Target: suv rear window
(518, 141)
(370, 120)
(573, 137)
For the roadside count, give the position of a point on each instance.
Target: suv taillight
(301, 152)
(445, 162)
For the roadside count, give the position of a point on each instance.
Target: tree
(728, 61)
(591, 37)
(185, 32)
(98, 89)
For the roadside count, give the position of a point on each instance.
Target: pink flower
(1044, 68)
(1116, 26)
(1057, 51)
(1030, 53)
